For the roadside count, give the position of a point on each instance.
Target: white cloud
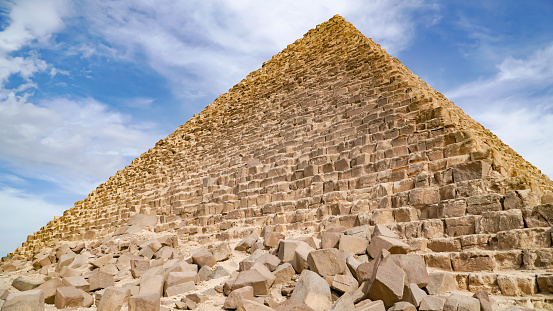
(16, 207)
(32, 20)
(516, 104)
(75, 143)
(205, 45)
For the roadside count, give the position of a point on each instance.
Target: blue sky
(87, 86)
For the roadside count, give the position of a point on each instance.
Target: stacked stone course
(331, 132)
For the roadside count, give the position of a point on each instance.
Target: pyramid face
(331, 132)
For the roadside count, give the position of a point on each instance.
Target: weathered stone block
(327, 261)
(258, 277)
(392, 245)
(387, 283)
(68, 297)
(31, 300)
(353, 245)
(150, 302)
(441, 282)
(99, 280)
(233, 300)
(313, 290)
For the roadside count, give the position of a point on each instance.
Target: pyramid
(332, 132)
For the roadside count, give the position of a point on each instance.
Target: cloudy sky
(86, 86)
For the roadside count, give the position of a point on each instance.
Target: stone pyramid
(333, 132)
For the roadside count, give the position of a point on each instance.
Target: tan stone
(149, 301)
(68, 297)
(312, 290)
(327, 261)
(99, 280)
(440, 283)
(27, 300)
(203, 257)
(394, 246)
(387, 283)
(258, 277)
(234, 298)
(354, 245)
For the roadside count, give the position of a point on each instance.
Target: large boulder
(327, 262)
(31, 300)
(258, 277)
(313, 290)
(387, 283)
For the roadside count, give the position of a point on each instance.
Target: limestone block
(269, 260)
(301, 253)
(452, 302)
(413, 294)
(67, 271)
(23, 284)
(312, 290)
(365, 271)
(31, 300)
(460, 226)
(235, 297)
(180, 288)
(65, 260)
(344, 283)
(468, 304)
(154, 245)
(152, 285)
(174, 278)
(353, 245)
(149, 301)
(330, 239)
(445, 245)
(368, 305)
(142, 220)
(470, 170)
(49, 288)
(258, 277)
(219, 272)
(110, 269)
(473, 261)
(283, 273)
(382, 230)
(414, 267)
(138, 267)
(203, 257)
(99, 280)
(344, 303)
(452, 208)
(441, 282)
(221, 251)
(479, 204)
(432, 303)
(204, 274)
(402, 306)
(387, 283)
(392, 245)
(484, 299)
(102, 261)
(165, 253)
(293, 305)
(545, 283)
(246, 242)
(272, 239)
(327, 261)
(250, 305)
(68, 297)
(77, 281)
(516, 285)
